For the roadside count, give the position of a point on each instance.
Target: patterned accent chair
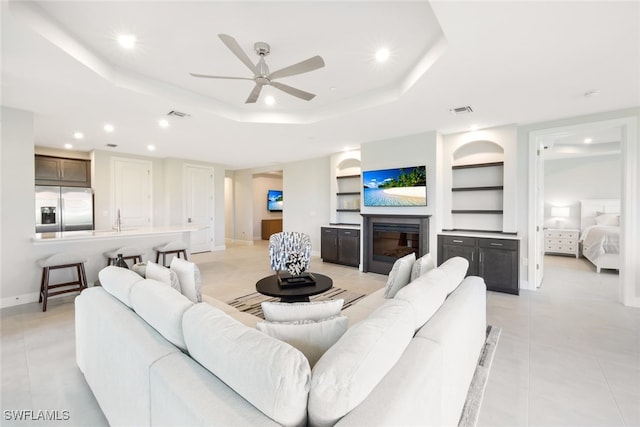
(291, 251)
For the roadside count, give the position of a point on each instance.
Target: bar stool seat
(176, 247)
(59, 261)
(128, 252)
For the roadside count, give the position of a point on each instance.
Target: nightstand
(561, 241)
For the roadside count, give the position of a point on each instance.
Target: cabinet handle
(458, 241)
(472, 256)
(480, 257)
(496, 244)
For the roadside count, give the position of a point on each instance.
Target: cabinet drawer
(459, 240)
(331, 231)
(558, 234)
(498, 244)
(348, 232)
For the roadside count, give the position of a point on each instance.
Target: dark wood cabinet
(495, 260)
(269, 227)
(61, 171)
(340, 245)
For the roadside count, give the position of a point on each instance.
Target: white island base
(92, 245)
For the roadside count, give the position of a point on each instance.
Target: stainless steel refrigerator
(63, 208)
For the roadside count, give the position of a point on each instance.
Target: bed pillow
(312, 338)
(608, 219)
(189, 277)
(422, 266)
(162, 274)
(399, 275)
(291, 312)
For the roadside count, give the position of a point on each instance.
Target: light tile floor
(569, 354)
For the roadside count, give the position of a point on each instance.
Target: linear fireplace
(389, 237)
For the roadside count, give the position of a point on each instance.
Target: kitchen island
(92, 245)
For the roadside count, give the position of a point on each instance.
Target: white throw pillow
(189, 277)
(312, 338)
(608, 219)
(399, 275)
(421, 266)
(162, 274)
(290, 312)
(270, 374)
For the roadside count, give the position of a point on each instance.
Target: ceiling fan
(261, 74)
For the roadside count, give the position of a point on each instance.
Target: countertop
(346, 226)
(69, 236)
(485, 234)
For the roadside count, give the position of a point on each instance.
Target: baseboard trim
(19, 300)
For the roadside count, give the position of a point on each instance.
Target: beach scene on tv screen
(396, 187)
(274, 200)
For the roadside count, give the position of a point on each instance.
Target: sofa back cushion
(291, 312)
(454, 269)
(270, 374)
(162, 307)
(346, 374)
(118, 282)
(424, 295)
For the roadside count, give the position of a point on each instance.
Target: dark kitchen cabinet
(495, 260)
(340, 245)
(62, 171)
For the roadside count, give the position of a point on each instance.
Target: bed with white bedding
(600, 232)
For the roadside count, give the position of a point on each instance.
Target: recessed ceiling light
(588, 140)
(382, 55)
(474, 128)
(78, 135)
(151, 147)
(269, 100)
(68, 146)
(163, 123)
(108, 128)
(127, 41)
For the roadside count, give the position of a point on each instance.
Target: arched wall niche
(479, 151)
(350, 166)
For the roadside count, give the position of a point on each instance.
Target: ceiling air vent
(179, 114)
(461, 110)
(111, 145)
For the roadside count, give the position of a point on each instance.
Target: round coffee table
(270, 286)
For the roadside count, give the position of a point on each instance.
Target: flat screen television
(395, 187)
(274, 201)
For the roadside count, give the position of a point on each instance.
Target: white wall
(261, 185)
(567, 181)
(18, 204)
(306, 197)
(411, 150)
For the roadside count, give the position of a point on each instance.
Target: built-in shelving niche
(349, 191)
(478, 187)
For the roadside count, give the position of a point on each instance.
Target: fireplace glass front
(393, 241)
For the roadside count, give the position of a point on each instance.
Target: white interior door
(539, 258)
(132, 192)
(199, 206)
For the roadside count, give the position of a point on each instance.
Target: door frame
(629, 248)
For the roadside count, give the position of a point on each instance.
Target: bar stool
(55, 262)
(176, 247)
(128, 252)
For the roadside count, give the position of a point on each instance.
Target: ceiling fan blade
(299, 68)
(234, 47)
(293, 91)
(255, 93)
(206, 76)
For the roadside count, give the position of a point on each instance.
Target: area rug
(251, 303)
(471, 410)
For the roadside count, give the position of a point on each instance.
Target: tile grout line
(613, 396)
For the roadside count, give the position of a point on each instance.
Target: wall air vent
(178, 114)
(461, 110)
(111, 145)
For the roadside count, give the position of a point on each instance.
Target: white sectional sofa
(152, 357)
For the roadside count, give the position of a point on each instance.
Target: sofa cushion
(270, 374)
(425, 295)
(454, 269)
(422, 265)
(290, 312)
(345, 375)
(162, 274)
(399, 275)
(118, 282)
(313, 338)
(189, 277)
(161, 307)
